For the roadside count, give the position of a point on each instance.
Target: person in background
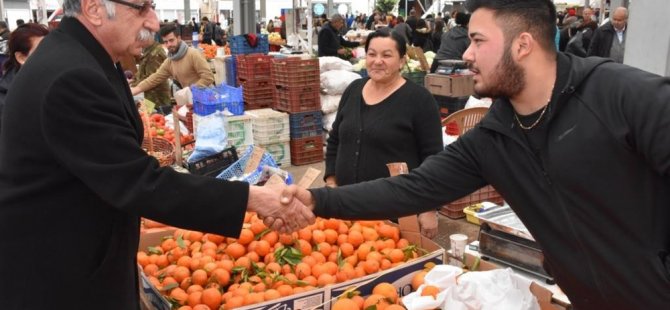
(219, 35)
(436, 36)
(580, 41)
(421, 36)
(206, 31)
(330, 42)
(4, 43)
(20, 22)
(270, 27)
(383, 119)
(454, 42)
(184, 64)
(153, 56)
(402, 29)
(21, 44)
(578, 147)
(609, 40)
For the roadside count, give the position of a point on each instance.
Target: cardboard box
(450, 85)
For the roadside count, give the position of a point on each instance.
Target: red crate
(253, 66)
(454, 210)
(257, 94)
(259, 103)
(296, 72)
(306, 150)
(299, 99)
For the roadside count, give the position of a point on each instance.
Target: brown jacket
(191, 69)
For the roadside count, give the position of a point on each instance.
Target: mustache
(145, 35)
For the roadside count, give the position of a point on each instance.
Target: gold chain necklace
(536, 121)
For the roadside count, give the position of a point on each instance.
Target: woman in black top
(383, 119)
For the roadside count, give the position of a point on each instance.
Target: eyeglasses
(143, 8)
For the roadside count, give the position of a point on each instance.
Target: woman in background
(383, 119)
(22, 42)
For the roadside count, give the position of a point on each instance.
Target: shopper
(578, 147)
(453, 42)
(383, 119)
(21, 44)
(330, 42)
(75, 179)
(610, 39)
(184, 64)
(153, 56)
(403, 29)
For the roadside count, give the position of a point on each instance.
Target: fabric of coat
(192, 69)
(152, 58)
(404, 127)
(75, 182)
(453, 44)
(404, 30)
(601, 41)
(5, 83)
(330, 40)
(594, 194)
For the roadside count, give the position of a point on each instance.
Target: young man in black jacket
(579, 147)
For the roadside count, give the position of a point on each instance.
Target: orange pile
(384, 297)
(208, 50)
(192, 268)
(154, 125)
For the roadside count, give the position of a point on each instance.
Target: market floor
(446, 226)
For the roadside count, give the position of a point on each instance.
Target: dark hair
(538, 17)
(168, 29)
(400, 19)
(19, 41)
(3, 24)
(401, 44)
(462, 19)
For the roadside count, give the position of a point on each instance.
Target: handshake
(283, 208)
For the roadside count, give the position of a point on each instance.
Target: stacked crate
(271, 132)
(253, 73)
(297, 83)
(240, 131)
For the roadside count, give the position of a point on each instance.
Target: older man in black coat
(75, 179)
(330, 41)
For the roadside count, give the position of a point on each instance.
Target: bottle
(195, 39)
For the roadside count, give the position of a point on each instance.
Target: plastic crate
(232, 98)
(239, 45)
(307, 150)
(206, 101)
(253, 66)
(236, 170)
(239, 130)
(281, 152)
(231, 71)
(454, 210)
(417, 77)
(448, 105)
(270, 126)
(296, 72)
(214, 164)
(306, 124)
(470, 212)
(297, 100)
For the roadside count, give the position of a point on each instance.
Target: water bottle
(195, 39)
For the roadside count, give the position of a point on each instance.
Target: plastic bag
(336, 81)
(329, 63)
(330, 103)
(211, 137)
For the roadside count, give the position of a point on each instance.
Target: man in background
(330, 42)
(609, 40)
(153, 56)
(184, 64)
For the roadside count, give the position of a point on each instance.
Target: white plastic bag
(330, 103)
(328, 120)
(211, 137)
(336, 81)
(329, 63)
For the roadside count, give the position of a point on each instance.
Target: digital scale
(504, 239)
(450, 66)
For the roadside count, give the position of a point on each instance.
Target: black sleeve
(594, 47)
(347, 43)
(326, 42)
(450, 175)
(333, 136)
(107, 157)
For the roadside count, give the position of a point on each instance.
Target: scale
(504, 239)
(450, 66)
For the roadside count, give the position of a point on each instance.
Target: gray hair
(72, 8)
(336, 17)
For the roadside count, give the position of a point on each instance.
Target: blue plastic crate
(306, 124)
(236, 170)
(231, 71)
(239, 45)
(206, 101)
(232, 98)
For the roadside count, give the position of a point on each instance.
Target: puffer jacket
(595, 197)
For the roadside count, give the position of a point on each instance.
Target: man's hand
(331, 181)
(342, 51)
(280, 214)
(428, 224)
(290, 195)
(135, 90)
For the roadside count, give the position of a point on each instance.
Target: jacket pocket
(109, 252)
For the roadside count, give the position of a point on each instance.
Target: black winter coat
(75, 182)
(330, 40)
(601, 41)
(596, 196)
